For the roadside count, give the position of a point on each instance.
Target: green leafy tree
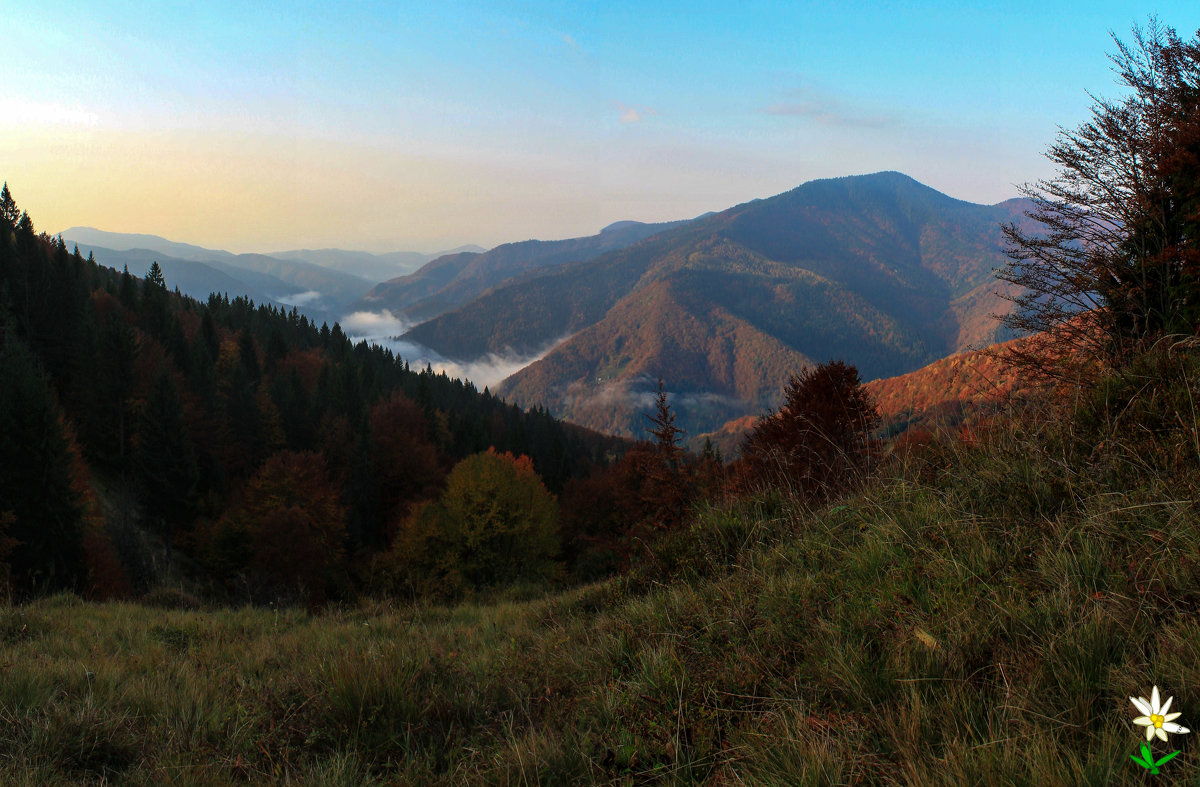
(494, 524)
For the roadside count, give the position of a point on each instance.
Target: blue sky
(265, 126)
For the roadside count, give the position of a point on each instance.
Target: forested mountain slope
(879, 269)
(267, 454)
(456, 279)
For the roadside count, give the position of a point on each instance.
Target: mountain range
(320, 282)
(879, 270)
(456, 279)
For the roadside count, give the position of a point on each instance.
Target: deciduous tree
(1111, 260)
(296, 525)
(494, 524)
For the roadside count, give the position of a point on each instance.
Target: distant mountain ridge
(197, 279)
(456, 279)
(318, 292)
(365, 265)
(320, 283)
(880, 270)
(372, 267)
(127, 241)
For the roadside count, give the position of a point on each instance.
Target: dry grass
(979, 616)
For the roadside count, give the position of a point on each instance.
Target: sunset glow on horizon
(389, 127)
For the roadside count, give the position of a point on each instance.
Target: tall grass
(980, 615)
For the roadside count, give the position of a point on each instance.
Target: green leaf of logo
(1146, 761)
(1168, 757)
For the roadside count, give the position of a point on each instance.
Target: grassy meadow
(979, 612)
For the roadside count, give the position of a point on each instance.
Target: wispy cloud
(37, 113)
(638, 394)
(374, 325)
(614, 394)
(633, 114)
(570, 41)
(825, 109)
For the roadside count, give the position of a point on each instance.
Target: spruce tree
(44, 511)
(164, 458)
(9, 212)
(666, 491)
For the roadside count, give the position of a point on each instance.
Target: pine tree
(155, 278)
(155, 306)
(165, 459)
(667, 488)
(45, 515)
(10, 214)
(128, 290)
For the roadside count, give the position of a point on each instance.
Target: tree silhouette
(819, 441)
(666, 491)
(164, 457)
(10, 214)
(44, 512)
(1112, 261)
(154, 277)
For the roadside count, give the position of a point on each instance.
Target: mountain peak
(620, 225)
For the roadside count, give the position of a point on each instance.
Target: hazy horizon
(386, 129)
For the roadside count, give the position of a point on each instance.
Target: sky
(423, 126)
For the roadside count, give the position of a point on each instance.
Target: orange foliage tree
(494, 524)
(600, 513)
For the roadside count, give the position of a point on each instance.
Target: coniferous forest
(151, 439)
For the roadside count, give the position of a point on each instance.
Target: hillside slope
(132, 416)
(456, 279)
(926, 630)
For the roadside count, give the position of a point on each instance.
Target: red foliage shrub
(819, 440)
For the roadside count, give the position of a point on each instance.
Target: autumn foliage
(405, 462)
(820, 438)
(494, 524)
(1113, 262)
(295, 526)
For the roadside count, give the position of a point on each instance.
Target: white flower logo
(1156, 719)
